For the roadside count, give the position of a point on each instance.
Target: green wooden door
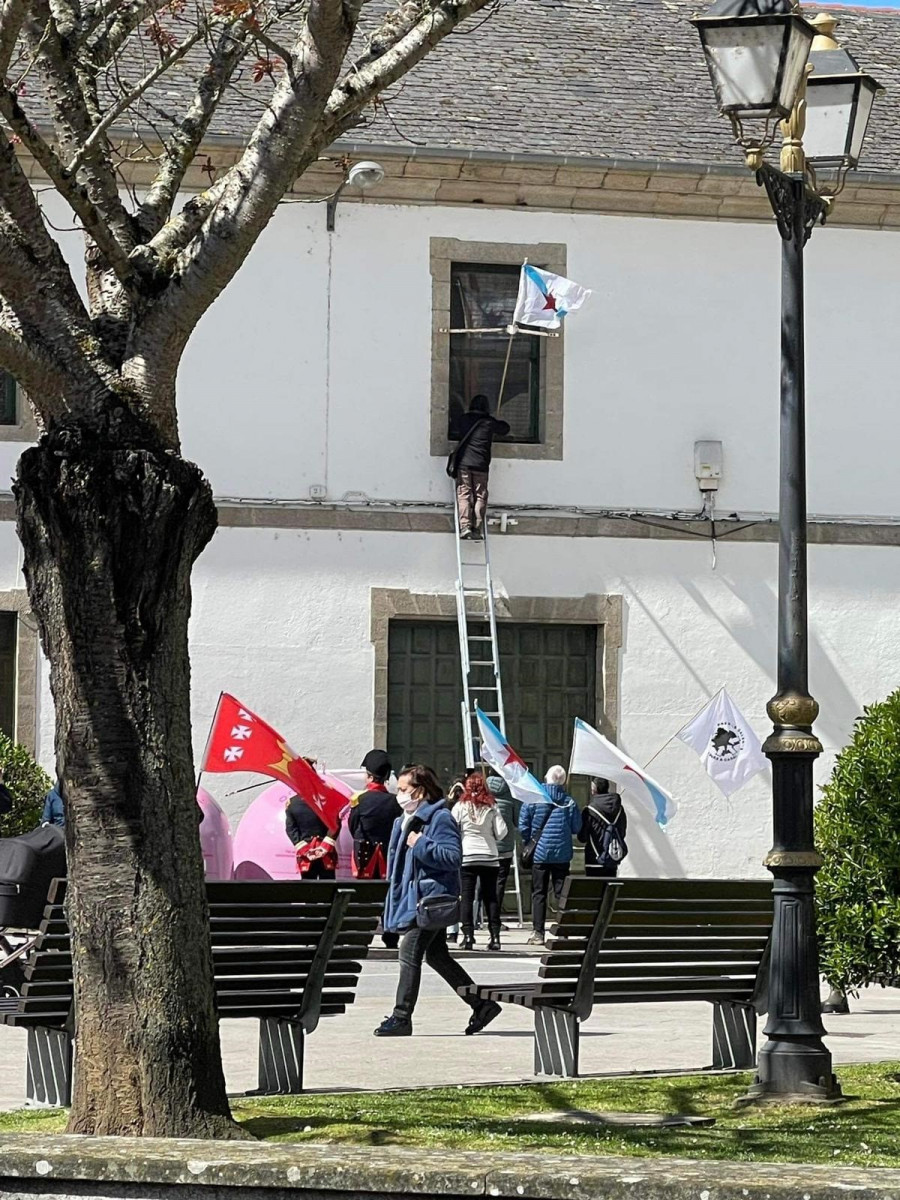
(549, 678)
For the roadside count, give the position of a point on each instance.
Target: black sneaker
(394, 1027)
(486, 1011)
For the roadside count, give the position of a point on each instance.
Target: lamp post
(769, 64)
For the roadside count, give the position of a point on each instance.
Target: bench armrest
(583, 1001)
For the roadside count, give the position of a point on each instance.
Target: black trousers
(318, 870)
(503, 878)
(486, 874)
(542, 876)
(428, 945)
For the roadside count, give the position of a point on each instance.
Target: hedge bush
(27, 782)
(858, 834)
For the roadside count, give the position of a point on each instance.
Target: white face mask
(408, 801)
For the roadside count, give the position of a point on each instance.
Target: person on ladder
(471, 463)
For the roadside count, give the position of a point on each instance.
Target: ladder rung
(488, 688)
(477, 637)
(481, 662)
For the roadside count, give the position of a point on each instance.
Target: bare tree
(110, 515)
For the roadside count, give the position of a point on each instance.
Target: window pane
(8, 672)
(8, 413)
(484, 297)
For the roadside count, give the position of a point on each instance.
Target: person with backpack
(547, 831)
(470, 463)
(603, 828)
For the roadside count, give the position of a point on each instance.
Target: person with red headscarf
(481, 827)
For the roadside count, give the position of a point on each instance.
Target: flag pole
(212, 726)
(512, 333)
(666, 745)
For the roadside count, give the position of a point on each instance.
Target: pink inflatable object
(215, 838)
(262, 849)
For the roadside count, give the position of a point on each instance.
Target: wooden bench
(635, 941)
(285, 953)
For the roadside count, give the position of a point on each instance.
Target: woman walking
(424, 860)
(481, 827)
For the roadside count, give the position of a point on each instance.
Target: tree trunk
(111, 523)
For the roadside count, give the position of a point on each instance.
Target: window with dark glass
(483, 296)
(8, 401)
(8, 623)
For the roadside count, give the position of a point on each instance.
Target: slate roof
(602, 78)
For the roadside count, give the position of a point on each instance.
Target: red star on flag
(551, 301)
(513, 759)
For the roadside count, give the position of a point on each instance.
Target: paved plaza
(343, 1055)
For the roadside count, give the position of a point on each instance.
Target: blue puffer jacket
(431, 868)
(555, 844)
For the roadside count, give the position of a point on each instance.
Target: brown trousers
(472, 498)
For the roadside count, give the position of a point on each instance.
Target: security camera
(365, 175)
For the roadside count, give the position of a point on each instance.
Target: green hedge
(858, 834)
(27, 782)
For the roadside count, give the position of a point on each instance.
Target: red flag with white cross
(241, 741)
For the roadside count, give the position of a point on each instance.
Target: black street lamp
(762, 56)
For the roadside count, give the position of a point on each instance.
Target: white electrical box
(317, 492)
(708, 465)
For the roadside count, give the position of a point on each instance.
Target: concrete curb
(35, 1165)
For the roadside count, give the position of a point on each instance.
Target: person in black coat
(373, 812)
(307, 831)
(473, 463)
(603, 828)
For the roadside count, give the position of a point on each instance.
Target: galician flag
(498, 754)
(592, 754)
(728, 747)
(545, 299)
(239, 740)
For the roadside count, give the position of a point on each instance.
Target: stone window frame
(604, 611)
(26, 428)
(551, 256)
(27, 667)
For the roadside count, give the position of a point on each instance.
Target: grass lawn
(864, 1132)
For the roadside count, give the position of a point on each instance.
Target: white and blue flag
(592, 754)
(546, 299)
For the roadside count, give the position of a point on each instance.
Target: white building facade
(318, 396)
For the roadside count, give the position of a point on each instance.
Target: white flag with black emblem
(728, 747)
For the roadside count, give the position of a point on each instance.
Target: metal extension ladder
(479, 653)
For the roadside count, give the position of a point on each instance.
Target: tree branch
(181, 148)
(31, 368)
(12, 16)
(126, 101)
(68, 187)
(406, 43)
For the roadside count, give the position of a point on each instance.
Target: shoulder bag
(453, 459)
(530, 848)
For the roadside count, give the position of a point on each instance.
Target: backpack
(612, 847)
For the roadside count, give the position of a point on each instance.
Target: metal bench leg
(555, 1042)
(280, 1057)
(734, 1037)
(48, 1072)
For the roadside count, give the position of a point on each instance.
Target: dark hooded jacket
(609, 804)
(476, 454)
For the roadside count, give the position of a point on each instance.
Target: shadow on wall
(758, 639)
(651, 854)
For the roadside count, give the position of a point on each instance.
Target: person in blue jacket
(54, 808)
(552, 826)
(424, 860)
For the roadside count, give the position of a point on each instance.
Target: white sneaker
(536, 939)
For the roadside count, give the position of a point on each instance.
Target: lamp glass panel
(797, 56)
(744, 64)
(867, 94)
(829, 112)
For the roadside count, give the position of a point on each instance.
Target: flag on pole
(498, 754)
(546, 299)
(728, 747)
(241, 741)
(592, 754)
